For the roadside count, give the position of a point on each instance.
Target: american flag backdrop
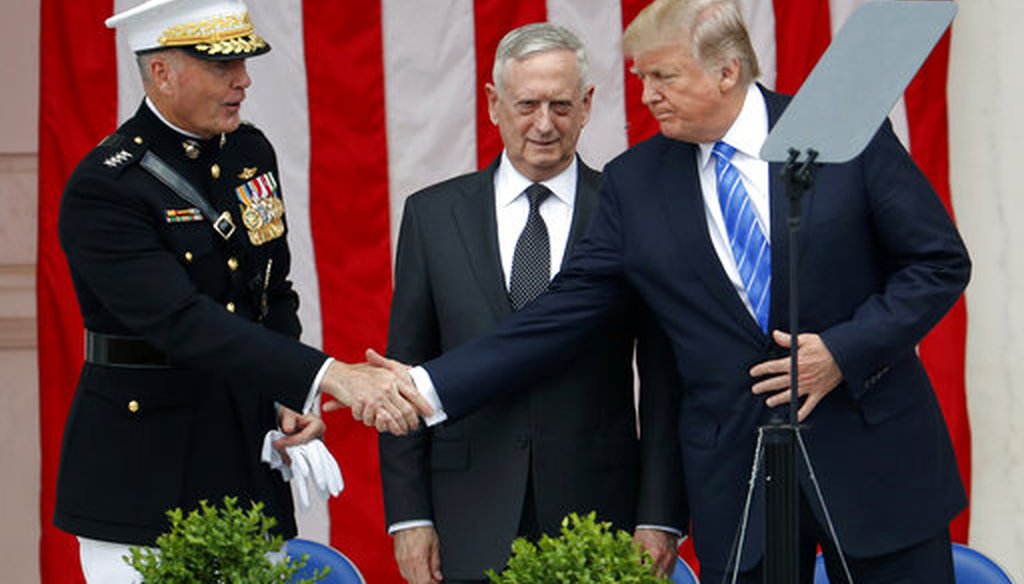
(367, 101)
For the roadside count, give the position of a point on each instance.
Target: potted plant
(218, 545)
(587, 551)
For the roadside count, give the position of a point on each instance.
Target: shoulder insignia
(116, 160)
(117, 151)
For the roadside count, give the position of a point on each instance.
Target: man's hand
(663, 547)
(377, 395)
(298, 429)
(818, 373)
(418, 554)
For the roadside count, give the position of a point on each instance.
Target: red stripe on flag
(943, 350)
(77, 66)
(493, 20)
(350, 227)
(640, 124)
(802, 33)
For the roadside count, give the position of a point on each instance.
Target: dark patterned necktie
(531, 263)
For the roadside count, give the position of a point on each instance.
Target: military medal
(261, 208)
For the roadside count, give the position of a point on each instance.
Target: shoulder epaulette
(118, 152)
(247, 127)
(249, 130)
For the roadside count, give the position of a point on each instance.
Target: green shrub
(586, 552)
(217, 545)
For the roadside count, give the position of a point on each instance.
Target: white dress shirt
(512, 209)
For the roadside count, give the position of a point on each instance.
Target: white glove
(310, 463)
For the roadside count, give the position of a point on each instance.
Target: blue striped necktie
(750, 248)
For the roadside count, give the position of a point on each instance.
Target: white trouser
(103, 563)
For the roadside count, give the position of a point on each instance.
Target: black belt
(122, 351)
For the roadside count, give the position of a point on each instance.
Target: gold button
(138, 139)
(188, 256)
(232, 264)
(133, 406)
(215, 171)
(230, 306)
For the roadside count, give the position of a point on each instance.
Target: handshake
(379, 392)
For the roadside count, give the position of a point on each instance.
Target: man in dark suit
(881, 262)
(458, 494)
(174, 233)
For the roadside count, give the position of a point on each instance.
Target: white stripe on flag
(760, 17)
(430, 94)
(129, 84)
(278, 104)
(601, 33)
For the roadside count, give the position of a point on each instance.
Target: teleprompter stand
(830, 120)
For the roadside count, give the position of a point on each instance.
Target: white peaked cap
(208, 29)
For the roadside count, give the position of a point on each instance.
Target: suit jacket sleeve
(662, 495)
(412, 338)
(927, 266)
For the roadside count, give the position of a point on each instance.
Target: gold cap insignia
(207, 29)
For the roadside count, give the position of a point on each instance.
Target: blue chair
(974, 567)
(343, 571)
(969, 567)
(683, 574)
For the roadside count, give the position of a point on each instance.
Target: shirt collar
(748, 131)
(509, 183)
(160, 116)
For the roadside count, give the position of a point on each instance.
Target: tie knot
(723, 150)
(536, 193)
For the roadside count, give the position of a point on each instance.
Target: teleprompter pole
(782, 483)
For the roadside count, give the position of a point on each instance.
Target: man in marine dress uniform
(174, 231)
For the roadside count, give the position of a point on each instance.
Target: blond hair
(713, 31)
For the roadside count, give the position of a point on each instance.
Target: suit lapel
(474, 218)
(588, 187)
(684, 207)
